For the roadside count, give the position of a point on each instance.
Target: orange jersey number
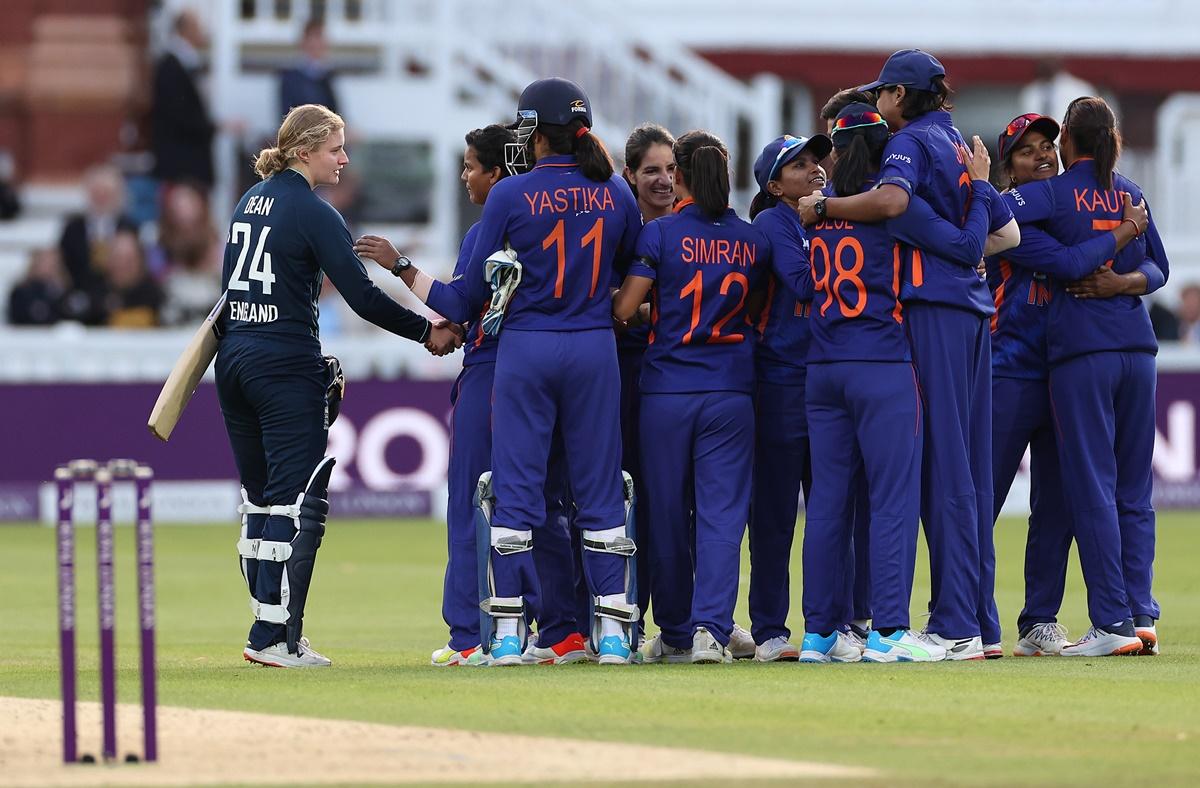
(558, 239)
(695, 288)
(819, 252)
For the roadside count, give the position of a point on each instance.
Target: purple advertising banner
(391, 441)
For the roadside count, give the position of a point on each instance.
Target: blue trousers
(863, 417)
(629, 361)
(782, 468)
(860, 588)
(1020, 418)
(470, 456)
(952, 353)
(272, 396)
(569, 379)
(697, 455)
(1104, 412)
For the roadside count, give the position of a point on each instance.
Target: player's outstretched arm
(326, 232)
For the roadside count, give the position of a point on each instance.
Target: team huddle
(648, 377)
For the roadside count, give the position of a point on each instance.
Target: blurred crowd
(108, 271)
(109, 268)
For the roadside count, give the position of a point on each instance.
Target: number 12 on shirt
(695, 289)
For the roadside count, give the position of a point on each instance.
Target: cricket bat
(185, 375)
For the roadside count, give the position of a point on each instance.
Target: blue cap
(1015, 130)
(911, 68)
(781, 150)
(556, 101)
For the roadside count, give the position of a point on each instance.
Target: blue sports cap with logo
(781, 150)
(1011, 137)
(557, 101)
(912, 68)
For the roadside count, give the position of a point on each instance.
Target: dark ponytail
(857, 158)
(703, 161)
(761, 202)
(575, 138)
(1093, 130)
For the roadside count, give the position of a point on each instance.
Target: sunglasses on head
(865, 119)
(1019, 124)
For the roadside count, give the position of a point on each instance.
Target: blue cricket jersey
(1022, 290)
(857, 276)
(566, 231)
(282, 237)
(478, 347)
(703, 270)
(1074, 208)
(927, 158)
(783, 332)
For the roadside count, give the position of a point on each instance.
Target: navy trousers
(697, 456)
(864, 421)
(569, 379)
(550, 601)
(272, 396)
(1021, 418)
(1104, 413)
(951, 350)
(782, 468)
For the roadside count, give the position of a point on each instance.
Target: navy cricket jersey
(927, 158)
(856, 311)
(783, 332)
(566, 230)
(1074, 208)
(703, 271)
(282, 237)
(478, 347)
(1019, 279)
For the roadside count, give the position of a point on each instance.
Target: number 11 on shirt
(558, 239)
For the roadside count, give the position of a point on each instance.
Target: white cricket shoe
(707, 649)
(903, 645)
(655, 650)
(858, 636)
(277, 656)
(1148, 634)
(776, 649)
(1042, 640)
(741, 643)
(1102, 643)
(835, 648)
(957, 648)
(446, 657)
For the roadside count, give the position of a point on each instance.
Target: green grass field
(376, 612)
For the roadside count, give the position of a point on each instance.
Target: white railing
(421, 72)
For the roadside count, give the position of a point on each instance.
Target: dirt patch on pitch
(207, 747)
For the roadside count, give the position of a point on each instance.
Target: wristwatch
(819, 209)
(401, 265)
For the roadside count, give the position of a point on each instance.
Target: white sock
(506, 627)
(610, 626)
